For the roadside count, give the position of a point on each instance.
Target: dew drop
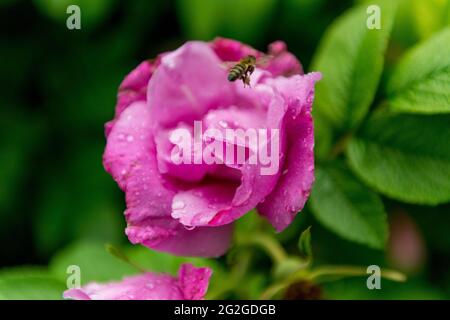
(178, 204)
(223, 124)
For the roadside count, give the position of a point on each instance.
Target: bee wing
(229, 64)
(264, 60)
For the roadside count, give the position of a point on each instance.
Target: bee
(242, 70)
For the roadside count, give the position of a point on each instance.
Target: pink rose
(191, 284)
(189, 208)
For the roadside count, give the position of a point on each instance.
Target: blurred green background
(59, 88)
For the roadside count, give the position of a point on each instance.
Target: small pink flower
(191, 284)
(188, 209)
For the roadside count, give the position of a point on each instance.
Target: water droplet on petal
(223, 124)
(178, 204)
(190, 228)
(130, 138)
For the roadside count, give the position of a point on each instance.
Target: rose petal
(293, 188)
(75, 294)
(192, 284)
(282, 63)
(133, 88)
(232, 50)
(188, 82)
(216, 205)
(197, 206)
(198, 242)
(279, 62)
(130, 157)
(194, 281)
(192, 171)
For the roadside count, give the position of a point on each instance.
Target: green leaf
(29, 283)
(304, 244)
(323, 137)
(344, 205)
(404, 156)
(430, 16)
(421, 81)
(95, 263)
(351, 58)
(163, 262)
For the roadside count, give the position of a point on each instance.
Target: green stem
(327, 273)
(271, 291)
(269, 244)
(351, 271)
(235, 278)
